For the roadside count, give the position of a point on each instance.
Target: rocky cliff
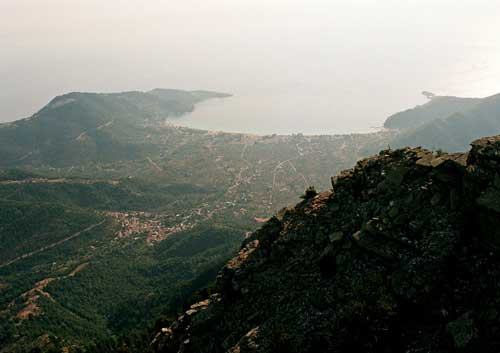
(401, 255)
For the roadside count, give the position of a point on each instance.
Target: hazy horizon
(341, 63)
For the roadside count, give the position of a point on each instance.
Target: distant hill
(446, 123)
(185, 100)
(439, 107)
(98, 194)
(82, 127)
(111, 219)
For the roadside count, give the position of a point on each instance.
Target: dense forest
(111, 222)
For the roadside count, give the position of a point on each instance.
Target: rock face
(402, 255)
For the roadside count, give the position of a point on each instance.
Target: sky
(366, 58)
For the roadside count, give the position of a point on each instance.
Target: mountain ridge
(175, 212)
(177, 201)
(395, 257)
(81, 127)
(447, 123)
(438, 107)
(480, 120)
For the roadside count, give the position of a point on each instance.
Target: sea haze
(310, 66)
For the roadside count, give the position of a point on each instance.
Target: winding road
(51, 246)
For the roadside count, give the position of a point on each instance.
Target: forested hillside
(90, 127)
(112, 219)
(451, 132)
(115, 219)
(399, 255)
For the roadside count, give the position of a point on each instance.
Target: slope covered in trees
(400, 255)
(110, 197)
(95, 247)
(82, 127)
(438, 107)
(451, 132)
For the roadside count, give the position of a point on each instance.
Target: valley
(263, 176)
(115, 231)
(159, 225)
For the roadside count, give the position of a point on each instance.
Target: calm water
(348, 103)
(354, 92)
(282, 115)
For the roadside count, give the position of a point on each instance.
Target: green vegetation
(110, 220)
(439, 107)
(400, 256)
(170, 222)
(25, 227)
(95, 288)
(126, 194)
(447, 123)
(84, 127)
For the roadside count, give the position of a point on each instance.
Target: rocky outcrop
(401, 255)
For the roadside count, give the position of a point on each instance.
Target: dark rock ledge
(402, 255)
